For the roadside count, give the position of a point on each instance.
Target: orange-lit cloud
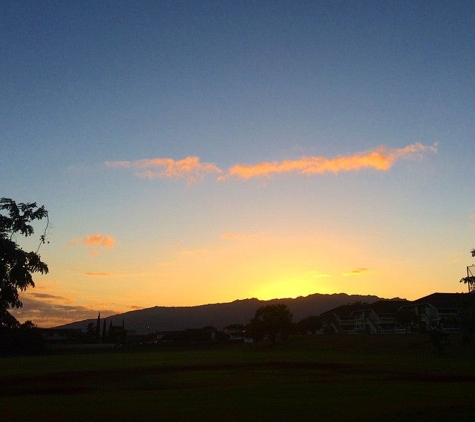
(97, 239)
(99, 274)
(358, 271)
(380, 158)
(192, 169)
(189, 168)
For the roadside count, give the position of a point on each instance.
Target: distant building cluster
(448, 311)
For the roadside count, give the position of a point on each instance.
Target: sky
(196, 152)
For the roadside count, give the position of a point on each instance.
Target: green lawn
(328, 378)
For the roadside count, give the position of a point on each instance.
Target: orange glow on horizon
(292, 286)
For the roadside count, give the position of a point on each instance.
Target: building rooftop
(446, 300)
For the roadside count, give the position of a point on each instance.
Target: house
(449, 310)
(380, 316)
(188, 337)
(375, 318)
(61, 336)
(445, 309)
(234, 334)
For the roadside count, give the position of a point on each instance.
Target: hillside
(220, 315)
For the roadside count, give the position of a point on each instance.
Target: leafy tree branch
(16, 265)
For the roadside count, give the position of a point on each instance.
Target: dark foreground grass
(328, 378)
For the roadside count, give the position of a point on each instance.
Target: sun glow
(290, 287)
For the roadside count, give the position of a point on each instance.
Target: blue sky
(206, 151)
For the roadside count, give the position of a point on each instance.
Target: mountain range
(219, 315)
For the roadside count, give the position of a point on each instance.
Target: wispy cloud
(189, 168)
(49, 298)
(357, 271)
(192, 169)
(52, 310)
(136, 308)
(100, 274)
(380, 158)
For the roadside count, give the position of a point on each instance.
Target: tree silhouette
(104, 330)
(91, 332)
(405, 318)
(17, 265)
(312, 324)
(470, 279)
(271, 321)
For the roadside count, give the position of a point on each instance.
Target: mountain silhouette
(220, 315)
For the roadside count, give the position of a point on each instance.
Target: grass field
(327, 378)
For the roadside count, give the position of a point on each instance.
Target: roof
(391, 306)
(346, 310)
(387, 306)
(380, 307)
(444, 300)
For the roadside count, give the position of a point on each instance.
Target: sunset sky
(195, 152)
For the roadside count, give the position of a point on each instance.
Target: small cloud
(99, 240)
(94, 240)
(189, 168)
(380, 158)
(99, 274)
(229, 236)
(358, 271)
